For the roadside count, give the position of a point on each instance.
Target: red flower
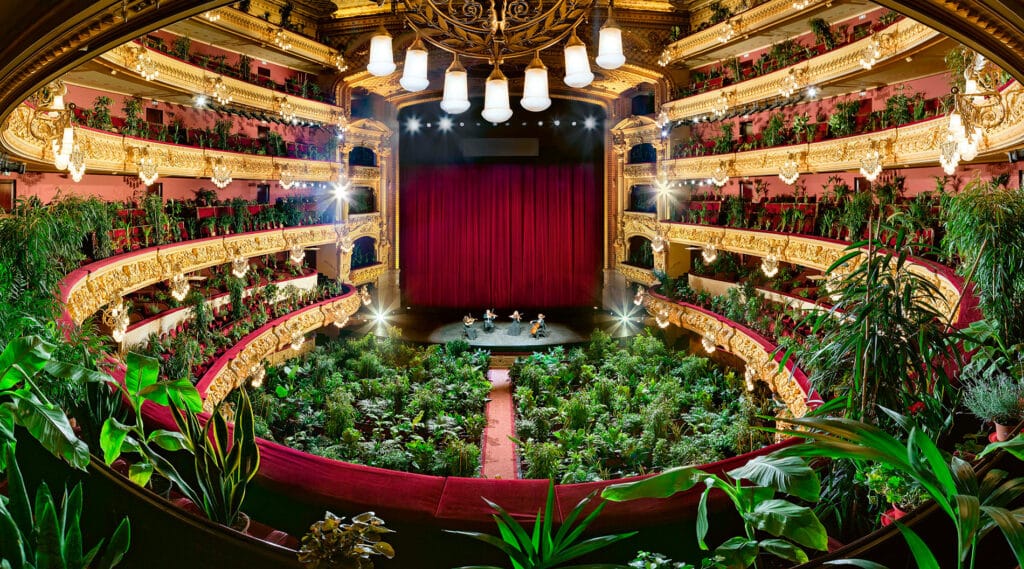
(916, 408)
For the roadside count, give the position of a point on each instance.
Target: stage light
(558, 122)
(444, 124)
(380, 318)
(590, 123)
(199, 101)
(413, 125)
(812, 92)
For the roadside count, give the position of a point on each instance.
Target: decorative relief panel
(633, 171)
(367, 275)
(364, 173)
(258, 29)
(637, 275)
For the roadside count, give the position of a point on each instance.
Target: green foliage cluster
(609, 411)
(381, 402)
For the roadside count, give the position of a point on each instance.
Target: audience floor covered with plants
(903, 425)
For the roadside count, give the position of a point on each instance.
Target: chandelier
(281, 40)
(727, 32)
(720, 106)
(211, 15)
(296, 254)
(178, 286)
(220, 173)
(285, 177)
(220, 91)
(116, 318)
(144, 64)
(708, 341)
(977, 106)
(147, 167)
(789, 84)
(339, 62)
(76, 163)
(801, 4)
(949, 153)
(789, 171)
(871, 164)
(364, 295)
(341, 322)
(749, 375)
(709, 252)
(515, 29)
(720, 176)
(662, 318)
(872, 53)
(239, 266)
(256, 376)
(770, 265)
(658, 244)
(298, 338)
(286, 109)
(638, 298)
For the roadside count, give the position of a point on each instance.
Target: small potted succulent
(994, 397)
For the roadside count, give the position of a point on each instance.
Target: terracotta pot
(242, 523)
(1002, 432)
(891, 515)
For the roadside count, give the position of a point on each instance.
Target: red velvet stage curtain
(503, 236)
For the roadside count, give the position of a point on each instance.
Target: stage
(565, 327)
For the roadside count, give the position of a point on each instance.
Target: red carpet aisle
(499, 452)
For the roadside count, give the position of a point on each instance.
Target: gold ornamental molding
(193, 79)
(911, 145)
(805, 251)
(262, 32)
(88, 289)
(762, 16)
(905, 35)
(638, 275)
(634, 130)
(230, 372)
(364, 174)
(367, 275)
(736, 341)
(109, 153)
(369, 133)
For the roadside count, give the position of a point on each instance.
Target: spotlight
(340, 191)
(558, 122)
(812, 92)
(412, 125)
(199, 101)
(380, 318)
(444, 124)
(590, 123)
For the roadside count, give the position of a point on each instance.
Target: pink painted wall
(806, 39)
(931, 87)
(917, 179)
(278, 73)
(192, 117)
(128, 188)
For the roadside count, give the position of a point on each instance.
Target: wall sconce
(790, 171)
(147, 165)
(658, 243)
(871, 163)
(220, 173)
(749, 375)
(722, 103)
(220, 91)
(286, 109)
(296, 254)
(709, 252)
(281, 40)
(708, 341)
(364, 295)
(179, 286)
(727, 32)
(239, 266)
(116, 318)
(256, 376)
(143, 63)
(285, 177)
(662, 318)
(720, 176)
(638, 298)
(770, 264)
(341, 322)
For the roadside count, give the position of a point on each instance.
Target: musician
(538, 327)
(515, 327)
(467, 327)
(489, 317)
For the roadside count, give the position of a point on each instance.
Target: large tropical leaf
(783, 549)
(49, 425)
(141, 372)
(789, 475)
(112, 436)
(1011, 528)
(918, 548)
(782, 518)
(661, 485)
(21, 359)
(737, 552)
(181, 391)
(117, 547)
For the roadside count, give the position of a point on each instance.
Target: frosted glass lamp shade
(414, 74)
(535, 87)
(496, 105)
(382, 60)
(609, 46)
(577, 63)
(456, 89)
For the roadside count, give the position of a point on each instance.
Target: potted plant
(892, 489)
(333, 544)
(823, 34)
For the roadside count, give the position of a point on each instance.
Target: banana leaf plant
(546, 548)
(23, 404)
(141, 384)
(976, 506)
(791, 525)
(48, 535)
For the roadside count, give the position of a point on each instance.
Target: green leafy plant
(546, 548)
(134, 123)
(823, 33)
(975, 506)
(724, 141)
(180, 47)
(333, 544)
(99, 116)
(46, 535)
(843, 119)
(792, 526)
(774, 133)
(223, 466)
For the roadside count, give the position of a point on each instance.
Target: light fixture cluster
(789, 171)
(709, 343)
(495, 48)
(178, 286)
(871, 54)
(749, 375)
(286, 109)
(709, 252)
(871, 164)
(296, 254)
(801, 4)
(281, 40)
(116, 317)
(147, 166)
(239, 266)
(720, 176)
(220, 173)
(285, 177)
(770, 265)
(727, 32)
(658, 243)
(662, 318)
(144, 64)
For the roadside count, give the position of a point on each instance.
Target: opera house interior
(523, 284)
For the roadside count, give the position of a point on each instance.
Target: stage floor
(500, 337)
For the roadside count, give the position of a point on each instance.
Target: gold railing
(233, 369)
(811, 252)
(841, 62)
(759, 358)
(108, 152)
(260, 30)
(364, 173)
(367, 275)
(193, 79)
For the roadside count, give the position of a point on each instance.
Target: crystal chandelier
(770, 265)
(709, 252)
(727, 32)
(708, 341)
(871, 164)
(638, 298)
(872, 53)
(285, 177)
(144, 64)
(749, 375)
(801, 4)
(978, 106)
(949, 153)
(178, 286)
(296, 254)
(515, 29)
(62, 148)
(220, 173)
(117, 319)
(147, 167)
(720, 176)
(789, 84)
(339, 62)
(286, 109)
(720, 105)
(662, 318)
(256, 376)
(658, 244)
(220, 91)
(789, 171)
(281, 40)
(239, 266)
(76, 163)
